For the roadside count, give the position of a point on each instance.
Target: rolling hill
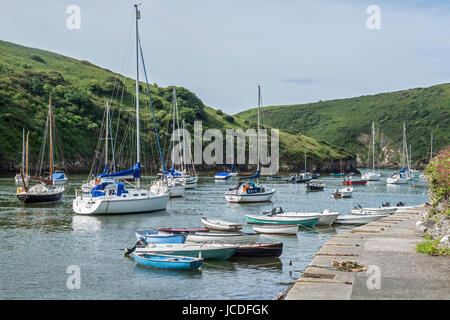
(347, 122)
(79, 92)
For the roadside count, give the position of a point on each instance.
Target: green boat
(337, 174)
(206, 251)
(306, 221)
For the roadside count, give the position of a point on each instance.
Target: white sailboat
(402, 176)
(249, 191)
(372, 176)
(111, 197)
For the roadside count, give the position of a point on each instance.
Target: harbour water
(39, 242)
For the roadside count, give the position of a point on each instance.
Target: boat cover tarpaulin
(58, 176)
(134, 172)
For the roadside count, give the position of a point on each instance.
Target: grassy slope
(79, 93)
(342, 122)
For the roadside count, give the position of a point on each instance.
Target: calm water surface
(39, 242)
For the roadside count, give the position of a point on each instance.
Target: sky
(298, 51)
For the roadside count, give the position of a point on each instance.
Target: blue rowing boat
(153, 236)
(163, 261)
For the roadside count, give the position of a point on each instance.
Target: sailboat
(45, 190)
(111, 197)
(175, 181)
(372, 176)
(248, 191)
(402, 176)
(18, 178)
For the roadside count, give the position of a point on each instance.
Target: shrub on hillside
(437, 174)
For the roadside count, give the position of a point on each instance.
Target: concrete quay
(387, 247)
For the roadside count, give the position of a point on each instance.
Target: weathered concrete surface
(395, 270)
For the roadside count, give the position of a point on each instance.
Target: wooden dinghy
(223, 237)
(163, 261)
(269, 249)
(276, 228)
(221, 225)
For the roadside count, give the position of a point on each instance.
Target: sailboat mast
(26, 164)
(138, 138)
(305, 160)
(51, 138)
(106, 134)
(257, 137)
(174, 97)
(23, 149)
(373, 146)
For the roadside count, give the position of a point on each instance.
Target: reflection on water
(39, 242)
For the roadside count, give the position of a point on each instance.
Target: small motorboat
(371, 176)
(270, 249)
(247, 192)
(398, 178)
(315, 186)
(181, 230)
(223, 237)
(163, 261)
(276, 228)
(153, 236)
(342, 193)
(351, 181)
(216, 251)
(283, 219)
(358, 219)
(221, 225)
(222, 176)
(303, 177)
(341, 174)
(381, 210)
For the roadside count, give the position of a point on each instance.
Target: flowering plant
(437, 173)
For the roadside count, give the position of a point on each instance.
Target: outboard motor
(386, 204)
(140, 242)
(400, 204)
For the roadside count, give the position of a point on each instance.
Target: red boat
(353, 182)
(182, 230)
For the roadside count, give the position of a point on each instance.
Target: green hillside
(79, 92)
(347, 122)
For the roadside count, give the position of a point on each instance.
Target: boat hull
(387, 210)
(215, 224)
(160, 238)
(397, 181)
(51, 196)
(214, 237)
(168, 261)
(117, 205)
(362, 219)
(249, 198)
(214, 252)
(306, 222)
(260, 250)
(276, 229)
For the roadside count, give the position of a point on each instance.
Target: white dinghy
(276, 228)
(358, 219)
(221, 225)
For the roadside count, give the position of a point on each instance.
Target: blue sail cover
(174, 173)
(99, 190)
(134, 172)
